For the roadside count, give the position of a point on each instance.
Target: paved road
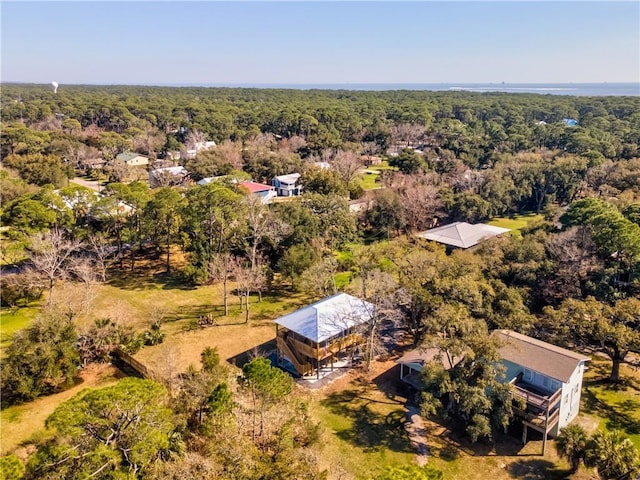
(92, 184)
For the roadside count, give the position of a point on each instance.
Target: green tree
(267, 385)
(615, 235)
(464, 379)
(11, 468)
(571, 444)
(41, 169)
(203, 392)
(296, 260)
(408, 161)
(612, 454)
(112, 432)
(41, 359)
(324, 182)
(212, 222)
(29, 215)
(164, 214)
(611, 329)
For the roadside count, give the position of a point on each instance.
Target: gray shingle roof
(542, 357)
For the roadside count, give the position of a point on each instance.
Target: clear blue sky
(320, 42)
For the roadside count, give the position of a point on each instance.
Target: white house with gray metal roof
(546, 377)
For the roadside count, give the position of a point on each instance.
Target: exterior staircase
(303, 368)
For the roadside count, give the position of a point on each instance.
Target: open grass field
(515, 222)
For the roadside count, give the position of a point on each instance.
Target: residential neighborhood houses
(287, 185)
(265, 193)
(133, 159)
(168, 177)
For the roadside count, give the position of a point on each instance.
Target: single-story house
(168, 176)
(287, 185)
(133, 159)
(546, 377)
(412, 363)
(462, 234)
(320, 334)
(264, 192)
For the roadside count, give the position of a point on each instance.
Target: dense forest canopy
(571, 163)
(473, 126)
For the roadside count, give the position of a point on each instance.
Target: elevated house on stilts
(314, 339)
(546, 377)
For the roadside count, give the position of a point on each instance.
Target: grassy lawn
(612, 407)
(14, 319)
(368, 180)
(365, 415)
(364, 421)
(25, 423)
(515, 222)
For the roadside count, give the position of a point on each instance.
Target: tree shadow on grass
(263, 350)
(618, 416)
(368, 429)
(536, 469)
(142, 279)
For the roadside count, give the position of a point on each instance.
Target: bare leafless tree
(292, 144)
(386, 298)
(319, 280)
(574, 254)
(84, 270)
(117, 170)
(407, 133)
(347, 164)
(150, 140)
(103, 253)
(193, 137)
(370, 148)
(421, 203)
(263, 224)
(230, 153)
(51, 255)
(221, 268)
(470, 181)
(248, 279)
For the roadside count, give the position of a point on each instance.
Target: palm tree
(571, 444)
(613, 455)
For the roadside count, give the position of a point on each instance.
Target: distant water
(574, 89)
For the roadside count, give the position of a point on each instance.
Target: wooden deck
(305, 357)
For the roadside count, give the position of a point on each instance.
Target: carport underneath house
(321, 334)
